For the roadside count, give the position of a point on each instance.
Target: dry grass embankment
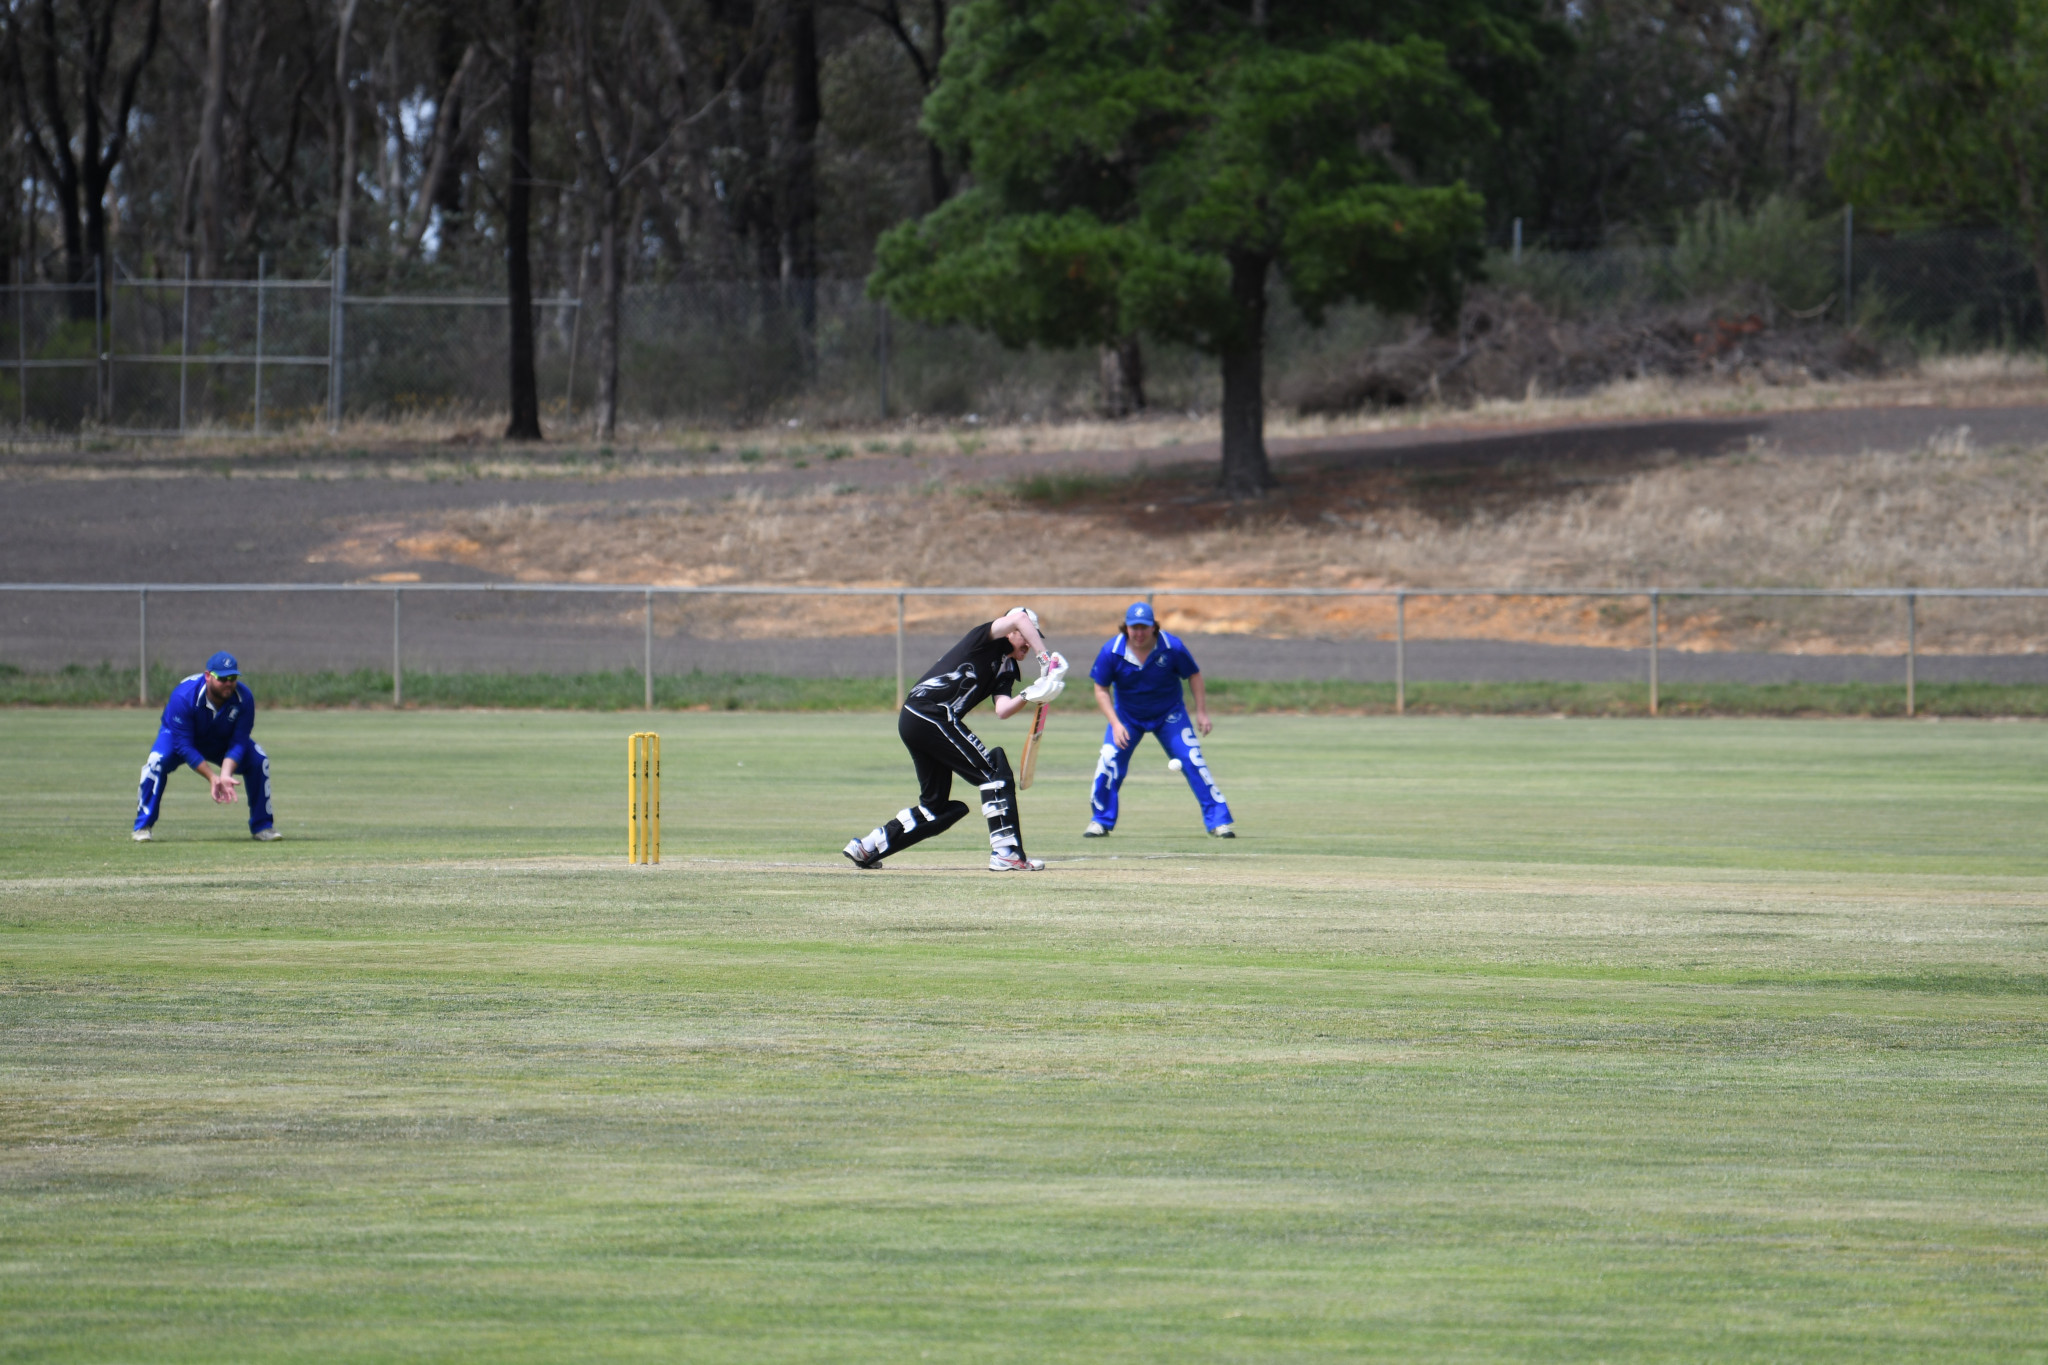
(1947, 514)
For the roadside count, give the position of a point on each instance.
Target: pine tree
(1149, 168)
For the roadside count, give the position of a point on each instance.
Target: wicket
(643, 797)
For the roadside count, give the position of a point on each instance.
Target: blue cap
(1139, 614)
(223, 665)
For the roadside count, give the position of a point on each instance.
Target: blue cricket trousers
(163, 760)
(1176, 734)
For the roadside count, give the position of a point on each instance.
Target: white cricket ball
(1173, 765)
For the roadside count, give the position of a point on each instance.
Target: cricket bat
(1028, 765)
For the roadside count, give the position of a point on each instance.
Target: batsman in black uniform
(983, 664)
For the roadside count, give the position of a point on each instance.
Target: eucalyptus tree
(75, 69)
(1938, 109)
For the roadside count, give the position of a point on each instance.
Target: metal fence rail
(1908, 598)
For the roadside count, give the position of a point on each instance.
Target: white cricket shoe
(1095, 831)
(142, 836)
(1225, 831)
(862, 859)
(266, 835)
(1010, 862)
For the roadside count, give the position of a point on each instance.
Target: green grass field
(1490, 1039)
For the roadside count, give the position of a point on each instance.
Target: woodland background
(745, 155)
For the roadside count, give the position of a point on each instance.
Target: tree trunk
(2030, 215)
(345, 184)
(2037, 251)
(394, 154)
(1123, 377)
(58, 164)
(1246, 474)
(210, 160)
(800, 169)
(75, 271)
(607, 415)
(524, 389)
(453, 58)
(92, 196)
(941, 184)
(81, 181)
(439, 174)
(752, 185)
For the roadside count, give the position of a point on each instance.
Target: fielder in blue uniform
(206, 726)
(1137, 684)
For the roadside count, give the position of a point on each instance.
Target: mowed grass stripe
(1960, 798)
(911, 968)
(1488, 1040)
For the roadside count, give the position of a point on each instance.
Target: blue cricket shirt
(1146, 690)
(200, 730)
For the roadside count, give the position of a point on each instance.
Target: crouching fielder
(206, 724)
(1143, 666)
(983, 664)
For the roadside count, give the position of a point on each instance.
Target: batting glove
(1046, 688)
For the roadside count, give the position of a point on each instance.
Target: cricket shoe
(265, 835)
(858, 853)
(142, 836)
(1095, 830)
(1010, 862)
(1225, 831)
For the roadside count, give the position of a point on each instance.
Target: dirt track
(95, 518)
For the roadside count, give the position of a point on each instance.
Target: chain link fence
(252, 356)
(1388, 635)
(1950, 290)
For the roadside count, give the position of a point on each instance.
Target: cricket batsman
(982, 665)
(1137, 678)
(206, 726)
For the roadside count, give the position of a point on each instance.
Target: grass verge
(623, 690)
(1816, 700)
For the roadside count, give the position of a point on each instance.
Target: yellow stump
(643, 797)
